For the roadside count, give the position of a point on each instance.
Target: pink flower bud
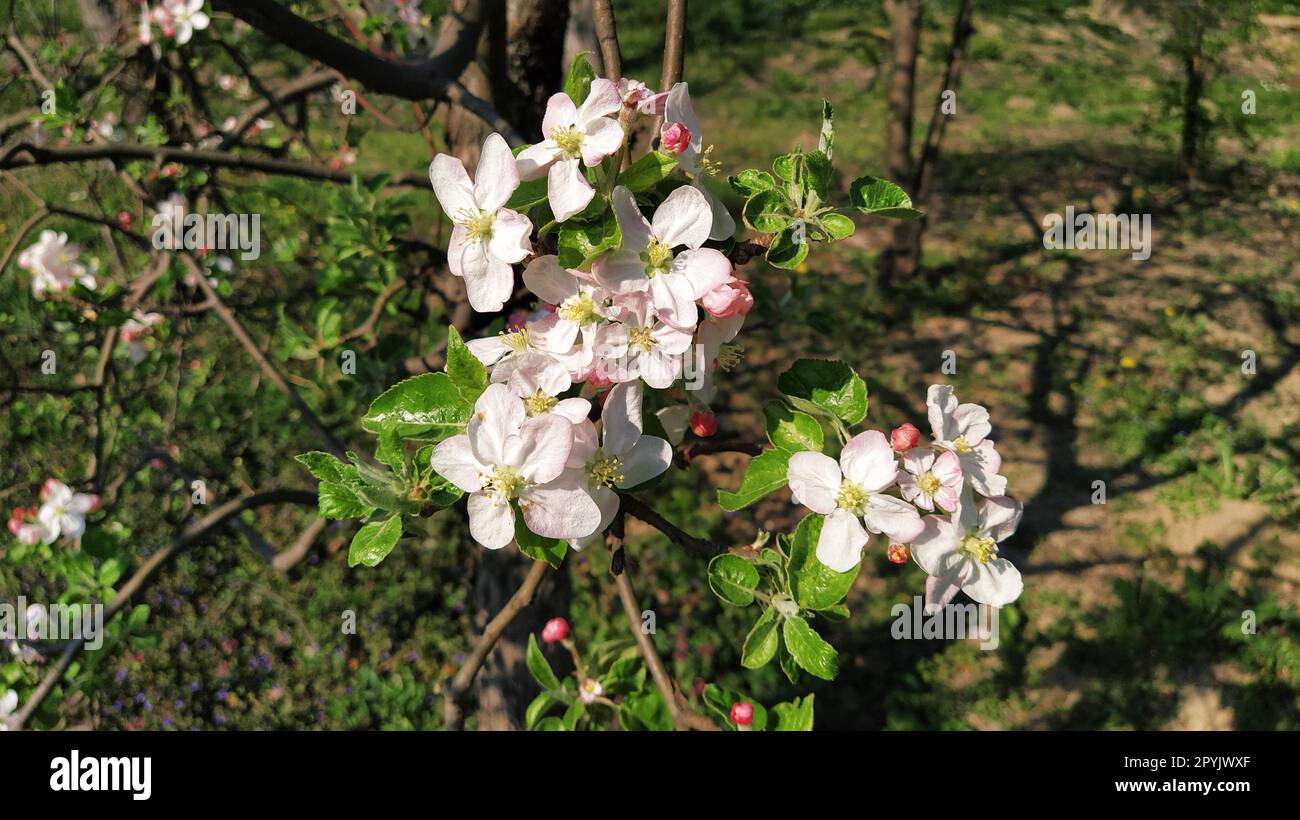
(675, 139)
(731, 298)
(124, 220)
(703, 423)
(897, 554)
(904, 437)
(556, 629)
(742, 714)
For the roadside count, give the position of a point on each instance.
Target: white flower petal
(544, 443)
(894, 517)
(452, 186)
(497, 175)
(567, 189)
(868, 461)
(814, 480)
(649, 457)
(841, 541)
(550, 282)
(509, 242)
(454, 460)
(683, 218)
(491, 520)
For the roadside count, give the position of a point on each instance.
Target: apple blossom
(624, 457)
(556, 629)
(703, 423)
(694, 158)
(929, 479)
(589, 691)
(580, 303)
(647, 262)
(904, 437)
(26, 527)
(960, 552)
(186, 17)
(8, 703)
(641, 346)
(137, 328)
(639, 98)
(64, 512)
(54, 265)
(850, 490)
(573, 136)
(730, 298)
(539, 379)
(504, 456)
(488, 238)
(964, 429)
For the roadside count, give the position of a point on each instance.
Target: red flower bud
(904, 437)
(556, 629)
(703, 423)
(676, 138)
(897, 553)
(742, 714)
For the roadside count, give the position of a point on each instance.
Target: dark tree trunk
(905, 22)
(1189, 158)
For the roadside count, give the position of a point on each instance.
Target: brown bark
(905, 24)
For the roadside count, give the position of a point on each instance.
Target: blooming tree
(552, 429)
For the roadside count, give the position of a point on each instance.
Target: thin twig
(644, 512)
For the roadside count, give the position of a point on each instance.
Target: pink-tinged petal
(674, 300)
(814, 480)
(454, 460)
(83, 503)
(560, 113)
(912, 491)
(678, 108)
(550, 282)
(621, 416)
(973, 422)
(561, 509)
(980, 467)
(567, 189)
(497, 175)
(939, 592)
(657, 370)
(489, 349)
(72, 526)
(489, 282)
(604, 137)
(575, 410)
(621, 272)
(894, 517)
(724, 225)
(940, 404)
(531, 371)
(947, 498)
(706, 268)
(996, 583)
(671, 341)
(498, 414)
(509, 242)
(491, 520)
(946, 467)
(585, 444)
(607, 501)
(636, 230)
(841, 541)
(919, 461)
(649, 457)
(456, 247)
(999, 517)
(603, 100)
(684, 218)
(868, 461)
(542, 448)
(452, 186)
(533, 162)
(937, 543)
(654, 104)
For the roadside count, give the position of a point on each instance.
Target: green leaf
(537, 710)
(719, 700)
(464, 368)
(784, 166)
(138, 618)
(646, 713)
(582, 242)
(826, 141)
(791, 430)
(816, 174)
(391, 450)
(338, 501)
(324, 466)
(536, 547)
(795, 716)
(786, 661)
(815, 585)
(550, 724)
(762, 641)
(733, 579)
(786, 251)
(648, 171)
(767, 212)
(766, 473)
(836, 226)
(430, 403)
(751, 181)
(880, 197)
(571, 715)
(809, 650)
(374, 541)
(539, 667)
(577, 83)
(826, 386)
(530, 192)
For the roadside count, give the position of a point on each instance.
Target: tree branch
(644, 512)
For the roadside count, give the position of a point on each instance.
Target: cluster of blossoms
(642, 313)
(178, 19)
(135, 330)
(951, 508)
(55, 265)
(62, 512)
